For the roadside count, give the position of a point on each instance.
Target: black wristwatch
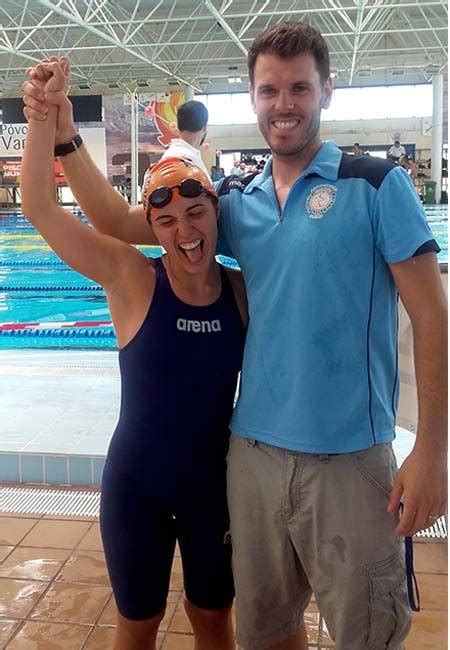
(67, 147)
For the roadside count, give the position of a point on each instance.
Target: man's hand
(46, 85)
(421, 484)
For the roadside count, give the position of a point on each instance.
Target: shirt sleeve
(399, 221)
(224, 238)
(224, 243)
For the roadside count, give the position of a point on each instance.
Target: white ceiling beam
(289, 13)
(22, 18)
(202, 67)
(88, 11)
(407, 20)
(380, 22)
(370, 14)
(434, 31)
(162, 46)
(100, 34)
(166, 24)
(422, 28)
(251, 19)
(343, 14)
(263, 14)
(104, 11)
(89, 16)
(220, 19)
(203, 41)
(5, 39)
(314, 10)
(331, 20)
(32, 60)
(219, 41)
(225, 5)
(132, 17)
(359, 20)
(72, 6)
(34, 29)
(142, 23)
(337, 54)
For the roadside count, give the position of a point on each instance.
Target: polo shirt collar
(325, 164)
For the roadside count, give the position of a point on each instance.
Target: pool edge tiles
(50, 469)
(75, 470)
(59, 412)
(70, 470)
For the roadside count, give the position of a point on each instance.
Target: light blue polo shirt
(320, 368)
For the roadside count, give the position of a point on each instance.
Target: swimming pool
(44, 304)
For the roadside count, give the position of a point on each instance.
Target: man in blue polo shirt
(314, 490)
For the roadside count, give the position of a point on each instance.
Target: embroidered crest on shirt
(320, 199)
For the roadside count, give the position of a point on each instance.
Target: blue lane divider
(50, 288)
(72, 332)
(56, 262)
(32, 263)
(52, 263)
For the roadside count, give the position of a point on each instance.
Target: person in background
(236, 169)
(313, 487)
(356, 150)
(180, 325)
(396, 151)
(216, 173)
(192, 123)
(409, 166)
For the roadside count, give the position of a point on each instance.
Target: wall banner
(12, 139)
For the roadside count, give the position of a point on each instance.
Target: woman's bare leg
(213, 629)
(137, 635)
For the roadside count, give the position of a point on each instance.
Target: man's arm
(422, 480)
(104, 207)
(108, 211)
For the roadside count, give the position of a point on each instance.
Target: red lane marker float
(51, 325)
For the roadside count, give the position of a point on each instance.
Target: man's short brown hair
(287, 40)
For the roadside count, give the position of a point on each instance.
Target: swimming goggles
(190, 188)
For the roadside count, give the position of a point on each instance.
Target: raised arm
(105, 208)
(81, 247)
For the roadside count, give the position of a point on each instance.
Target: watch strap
(68, 147)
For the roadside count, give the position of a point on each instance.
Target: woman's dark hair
(287, 40)
(192, 116)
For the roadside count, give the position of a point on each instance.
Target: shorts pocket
(377, 466)
(389, 613)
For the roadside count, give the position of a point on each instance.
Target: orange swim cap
(169, 173)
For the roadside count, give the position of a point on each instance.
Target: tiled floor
(55, 593)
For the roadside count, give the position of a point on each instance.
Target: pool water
(45, 304)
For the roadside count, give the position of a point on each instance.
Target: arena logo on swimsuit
(198, 326)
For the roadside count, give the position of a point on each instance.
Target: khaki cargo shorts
(304, 523)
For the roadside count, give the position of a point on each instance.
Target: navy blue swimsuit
(165, 475)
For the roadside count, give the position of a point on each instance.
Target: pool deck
(59, 409)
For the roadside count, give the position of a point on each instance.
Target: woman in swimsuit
(180, 325)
